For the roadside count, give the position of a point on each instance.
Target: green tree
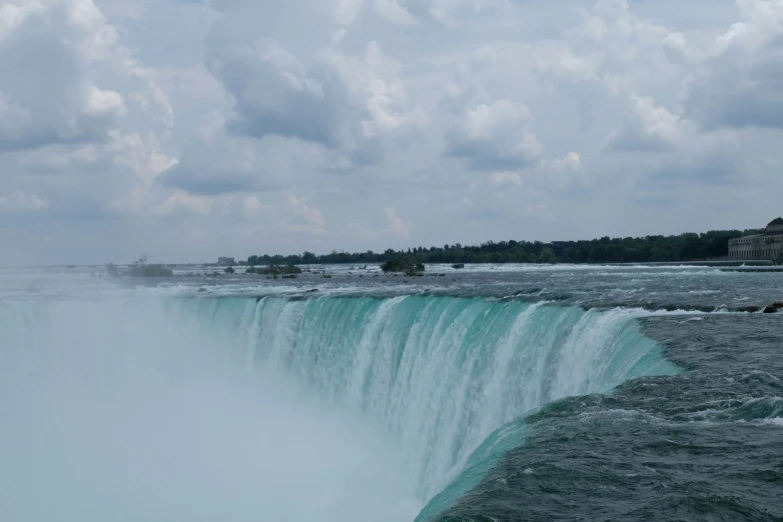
(547, 255)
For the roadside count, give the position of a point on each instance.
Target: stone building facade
(768, 245)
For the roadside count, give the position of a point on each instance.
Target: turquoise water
(440, 374)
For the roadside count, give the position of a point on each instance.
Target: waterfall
(405, 388)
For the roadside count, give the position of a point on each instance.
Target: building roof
(774, 229)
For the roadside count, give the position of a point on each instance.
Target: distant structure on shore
(226, 261)
(768, 245)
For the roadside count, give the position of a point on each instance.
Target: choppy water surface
(703, 445)
(492, 393)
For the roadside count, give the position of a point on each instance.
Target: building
(226, 261)
(767, 245)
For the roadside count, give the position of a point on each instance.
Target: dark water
(703, 445)
(657, 287)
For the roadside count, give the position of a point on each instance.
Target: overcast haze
(189, 129)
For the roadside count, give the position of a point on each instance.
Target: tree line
(683, 247)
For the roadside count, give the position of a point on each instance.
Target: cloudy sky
(190, 129)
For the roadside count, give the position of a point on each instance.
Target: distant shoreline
(729, 263)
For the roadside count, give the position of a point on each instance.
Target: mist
(118, 410)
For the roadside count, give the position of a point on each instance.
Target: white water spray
(131, 412)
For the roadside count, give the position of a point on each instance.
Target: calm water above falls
(497, 393)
